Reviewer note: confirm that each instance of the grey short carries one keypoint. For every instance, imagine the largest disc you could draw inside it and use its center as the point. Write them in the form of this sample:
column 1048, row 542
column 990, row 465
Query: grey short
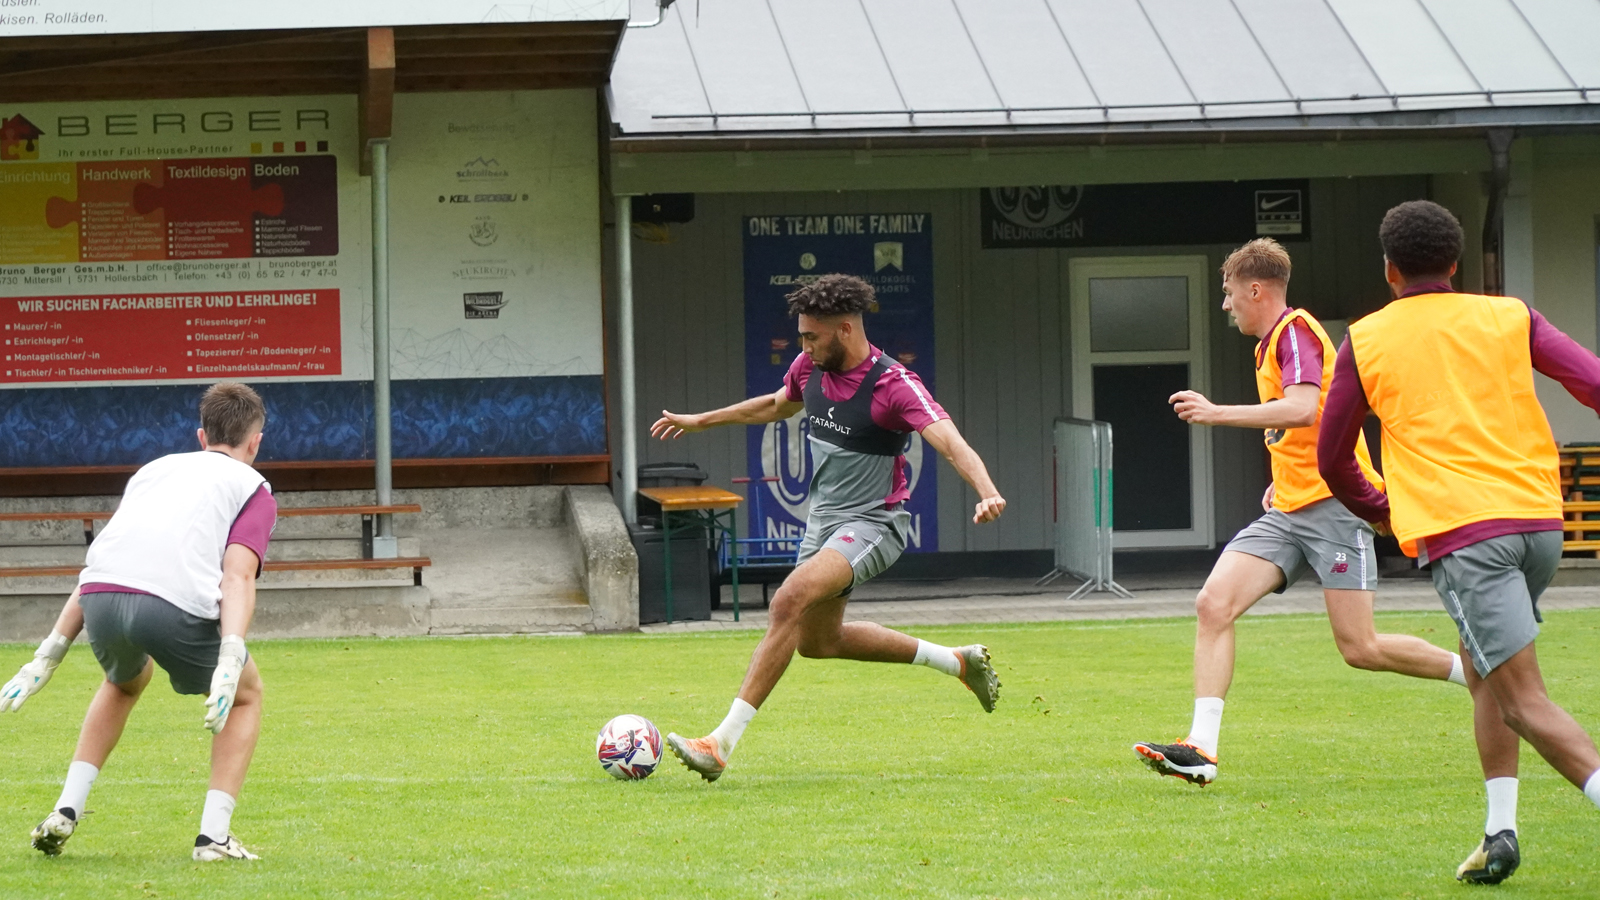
column 869, row 544
column 1491, row 589
column 1324, row 537
column 128, row 630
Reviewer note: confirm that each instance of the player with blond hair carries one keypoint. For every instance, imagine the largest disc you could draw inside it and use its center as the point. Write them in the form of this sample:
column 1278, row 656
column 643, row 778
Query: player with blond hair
column 170, row 581
column 1304, row 528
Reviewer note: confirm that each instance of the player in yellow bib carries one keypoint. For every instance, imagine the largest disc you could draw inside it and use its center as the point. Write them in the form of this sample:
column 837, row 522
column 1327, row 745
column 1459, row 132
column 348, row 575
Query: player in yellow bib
column 1304, row 528
column 1474, row 489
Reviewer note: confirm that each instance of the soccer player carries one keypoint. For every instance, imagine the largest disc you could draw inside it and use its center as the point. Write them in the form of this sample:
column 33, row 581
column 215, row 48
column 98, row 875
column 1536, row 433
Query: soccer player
column 1304, row 528
column 861, row 407
column 1474, row 488
column 170, row 581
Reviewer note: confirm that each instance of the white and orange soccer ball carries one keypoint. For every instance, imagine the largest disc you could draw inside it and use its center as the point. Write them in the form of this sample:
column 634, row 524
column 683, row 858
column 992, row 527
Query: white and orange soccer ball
column 629, row 747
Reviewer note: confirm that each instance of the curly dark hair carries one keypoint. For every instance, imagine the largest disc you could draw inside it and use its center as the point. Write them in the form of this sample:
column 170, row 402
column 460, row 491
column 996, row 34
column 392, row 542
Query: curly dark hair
column 1421, row 238
column 832, row 295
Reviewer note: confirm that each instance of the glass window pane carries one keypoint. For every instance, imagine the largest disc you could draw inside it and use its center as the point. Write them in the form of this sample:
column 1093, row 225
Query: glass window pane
column 1138, row 314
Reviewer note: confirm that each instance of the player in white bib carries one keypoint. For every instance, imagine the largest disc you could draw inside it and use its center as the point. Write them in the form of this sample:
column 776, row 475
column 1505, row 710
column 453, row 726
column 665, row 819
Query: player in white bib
column 170, row 581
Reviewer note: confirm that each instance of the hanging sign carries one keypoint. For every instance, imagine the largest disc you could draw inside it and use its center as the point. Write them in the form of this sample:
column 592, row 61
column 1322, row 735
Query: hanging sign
column 893, row 253
column 1145, row 215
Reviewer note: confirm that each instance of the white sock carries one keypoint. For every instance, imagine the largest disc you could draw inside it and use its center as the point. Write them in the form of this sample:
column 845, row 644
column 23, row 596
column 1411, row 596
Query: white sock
column 1502, row 805
column 1207, row 724
column 218, row 816
column 936, row 657
column 732, row 728
column 1591, row 788
column 1457, row 674
column 75, row 793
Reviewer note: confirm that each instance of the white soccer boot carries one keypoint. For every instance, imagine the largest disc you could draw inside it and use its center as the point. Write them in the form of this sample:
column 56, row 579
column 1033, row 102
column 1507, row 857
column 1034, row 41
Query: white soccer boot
column 50, row 834
column 207, row 850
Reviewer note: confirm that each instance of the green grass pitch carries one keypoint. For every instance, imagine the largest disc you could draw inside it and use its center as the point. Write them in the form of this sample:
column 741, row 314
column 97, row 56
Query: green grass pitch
column 457, row 768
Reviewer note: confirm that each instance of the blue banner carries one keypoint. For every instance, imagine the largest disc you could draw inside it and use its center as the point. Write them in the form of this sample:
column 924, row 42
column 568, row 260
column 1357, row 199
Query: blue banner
column 894, row 253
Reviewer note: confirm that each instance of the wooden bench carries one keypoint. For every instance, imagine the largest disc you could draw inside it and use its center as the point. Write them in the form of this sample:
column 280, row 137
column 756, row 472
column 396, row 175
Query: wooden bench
column 1580, row 469
column 87, row 518
column 415, row 563
column 365, row 512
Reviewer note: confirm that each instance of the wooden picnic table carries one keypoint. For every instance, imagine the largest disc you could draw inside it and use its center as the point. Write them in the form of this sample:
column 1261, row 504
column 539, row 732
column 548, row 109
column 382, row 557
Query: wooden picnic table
column 708, row 505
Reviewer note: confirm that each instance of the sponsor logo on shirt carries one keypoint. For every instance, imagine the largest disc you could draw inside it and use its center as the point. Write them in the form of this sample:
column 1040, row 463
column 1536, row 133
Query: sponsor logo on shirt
column 820, row 422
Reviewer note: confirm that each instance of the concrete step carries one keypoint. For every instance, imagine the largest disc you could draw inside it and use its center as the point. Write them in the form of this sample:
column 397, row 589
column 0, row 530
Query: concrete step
column 510, row 619
column 503, row 567
column 42, row 554
column 282, row 611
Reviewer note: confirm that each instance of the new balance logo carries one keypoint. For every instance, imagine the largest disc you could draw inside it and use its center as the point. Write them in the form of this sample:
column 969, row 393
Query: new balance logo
column 1340, row 568
column 847, row 539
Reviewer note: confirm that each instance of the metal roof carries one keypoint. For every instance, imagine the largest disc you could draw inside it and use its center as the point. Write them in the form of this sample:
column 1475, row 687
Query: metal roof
column 759, row 68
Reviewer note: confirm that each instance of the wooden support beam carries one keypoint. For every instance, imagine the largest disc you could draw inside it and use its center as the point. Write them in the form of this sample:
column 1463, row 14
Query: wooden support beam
column 377, row 93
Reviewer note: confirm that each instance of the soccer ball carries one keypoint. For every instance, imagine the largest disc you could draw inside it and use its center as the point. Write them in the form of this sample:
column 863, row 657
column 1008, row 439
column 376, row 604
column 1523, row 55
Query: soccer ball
column 629, row 747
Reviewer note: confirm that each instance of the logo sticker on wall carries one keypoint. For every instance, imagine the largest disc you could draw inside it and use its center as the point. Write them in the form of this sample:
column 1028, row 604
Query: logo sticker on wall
column 483, row 231
column 1278, row 212
column 484, row 304
column 19, row 138
column 888, row 253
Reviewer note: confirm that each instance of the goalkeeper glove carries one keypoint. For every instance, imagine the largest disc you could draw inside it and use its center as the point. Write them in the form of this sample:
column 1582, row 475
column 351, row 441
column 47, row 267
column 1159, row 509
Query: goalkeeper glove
column 36, row 674
column 225, row 682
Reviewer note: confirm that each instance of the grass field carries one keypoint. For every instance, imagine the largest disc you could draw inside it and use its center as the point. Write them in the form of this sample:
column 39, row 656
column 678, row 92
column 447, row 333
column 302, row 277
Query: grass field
column 465, row 768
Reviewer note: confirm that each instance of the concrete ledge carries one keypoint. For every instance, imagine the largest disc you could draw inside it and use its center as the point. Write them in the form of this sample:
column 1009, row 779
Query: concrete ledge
column 341, row 610
column 610, row 570
column 27, row 616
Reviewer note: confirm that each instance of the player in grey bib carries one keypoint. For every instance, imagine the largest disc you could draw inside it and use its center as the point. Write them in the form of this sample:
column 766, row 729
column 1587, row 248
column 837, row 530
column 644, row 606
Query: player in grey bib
column 854, row 463
column 861, row 407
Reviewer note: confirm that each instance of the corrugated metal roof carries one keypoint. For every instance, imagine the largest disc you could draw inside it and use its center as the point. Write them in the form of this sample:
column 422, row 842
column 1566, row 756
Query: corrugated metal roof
column 830, row 66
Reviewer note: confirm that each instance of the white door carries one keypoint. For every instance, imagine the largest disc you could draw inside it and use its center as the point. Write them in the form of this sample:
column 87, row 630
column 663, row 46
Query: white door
column 1139, row 335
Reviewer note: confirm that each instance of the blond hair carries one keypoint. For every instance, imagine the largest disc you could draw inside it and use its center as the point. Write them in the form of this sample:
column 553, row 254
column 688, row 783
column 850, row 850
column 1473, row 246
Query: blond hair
column 1263, row 259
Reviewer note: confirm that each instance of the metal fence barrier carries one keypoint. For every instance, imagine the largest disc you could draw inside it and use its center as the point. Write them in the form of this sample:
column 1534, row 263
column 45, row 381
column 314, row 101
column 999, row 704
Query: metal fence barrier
column 1083, row 506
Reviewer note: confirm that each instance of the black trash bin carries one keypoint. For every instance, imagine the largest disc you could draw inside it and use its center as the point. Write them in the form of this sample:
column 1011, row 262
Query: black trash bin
column 670, row 474
column 691, row 573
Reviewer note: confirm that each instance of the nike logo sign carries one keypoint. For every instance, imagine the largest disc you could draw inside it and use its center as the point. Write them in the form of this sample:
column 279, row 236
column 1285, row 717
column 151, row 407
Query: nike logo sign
column 1273, row 204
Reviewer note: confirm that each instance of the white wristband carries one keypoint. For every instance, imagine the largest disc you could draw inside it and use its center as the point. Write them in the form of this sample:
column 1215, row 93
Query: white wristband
column 54, row 647
column 232, row 645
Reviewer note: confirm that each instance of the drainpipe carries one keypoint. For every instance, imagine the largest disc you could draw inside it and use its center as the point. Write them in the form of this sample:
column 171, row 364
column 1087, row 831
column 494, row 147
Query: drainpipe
column 1494, row 220
column 384, row 544
column 630, row 384
column 661, row 12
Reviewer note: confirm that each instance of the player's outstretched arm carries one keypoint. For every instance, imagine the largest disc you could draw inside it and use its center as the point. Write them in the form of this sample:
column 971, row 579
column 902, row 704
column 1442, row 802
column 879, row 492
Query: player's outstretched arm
column 239, row 567
column 947, row 439
column 36, row 674
column 1297, row 409
column 760, row 410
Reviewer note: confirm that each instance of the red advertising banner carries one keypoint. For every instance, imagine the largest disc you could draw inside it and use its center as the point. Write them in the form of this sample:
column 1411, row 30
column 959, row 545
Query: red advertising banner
column 243, row 334
column 225, row 208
